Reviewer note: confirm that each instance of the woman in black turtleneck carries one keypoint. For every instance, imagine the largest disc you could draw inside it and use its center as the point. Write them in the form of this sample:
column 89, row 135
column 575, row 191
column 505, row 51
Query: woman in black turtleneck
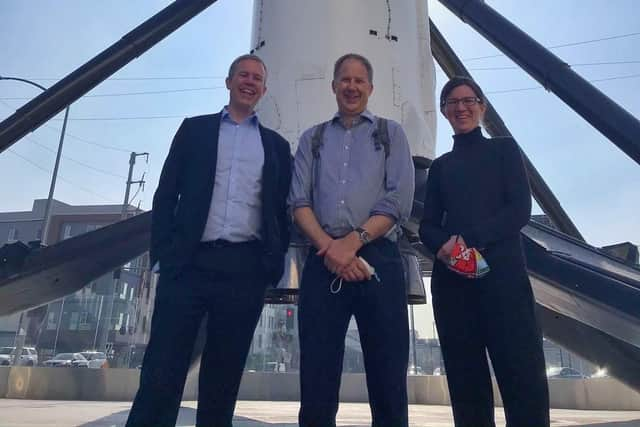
column 479, row 193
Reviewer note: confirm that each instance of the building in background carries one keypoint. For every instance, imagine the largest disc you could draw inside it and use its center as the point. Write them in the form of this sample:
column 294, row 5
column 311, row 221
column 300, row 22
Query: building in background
column 111, row 313
column 275, row 345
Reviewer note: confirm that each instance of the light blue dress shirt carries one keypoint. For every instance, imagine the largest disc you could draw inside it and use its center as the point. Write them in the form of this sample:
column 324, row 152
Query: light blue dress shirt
column 355, row 180
column 235, row 213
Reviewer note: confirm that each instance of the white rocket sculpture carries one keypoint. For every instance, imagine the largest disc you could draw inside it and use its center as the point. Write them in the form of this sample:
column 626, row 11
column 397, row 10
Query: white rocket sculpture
column 300, row 40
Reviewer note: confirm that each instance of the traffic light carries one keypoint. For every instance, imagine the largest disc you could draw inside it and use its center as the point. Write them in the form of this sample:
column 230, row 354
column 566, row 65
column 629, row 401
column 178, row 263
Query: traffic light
column 290, row 318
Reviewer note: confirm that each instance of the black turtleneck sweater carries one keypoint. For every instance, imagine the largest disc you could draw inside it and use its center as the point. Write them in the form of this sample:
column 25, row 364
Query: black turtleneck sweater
column 480, row 191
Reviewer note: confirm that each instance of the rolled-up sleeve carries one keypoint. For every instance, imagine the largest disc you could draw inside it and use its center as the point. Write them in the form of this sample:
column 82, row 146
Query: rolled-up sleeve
column 400, row 181
column 300, row 193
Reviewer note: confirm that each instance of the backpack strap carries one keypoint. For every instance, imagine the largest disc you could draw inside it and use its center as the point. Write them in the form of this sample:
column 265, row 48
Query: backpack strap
column 317, row 139
column 381, row 136
column 380, row 140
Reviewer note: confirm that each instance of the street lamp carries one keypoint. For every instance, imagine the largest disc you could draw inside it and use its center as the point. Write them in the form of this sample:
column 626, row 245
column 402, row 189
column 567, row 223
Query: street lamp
column 47, row 209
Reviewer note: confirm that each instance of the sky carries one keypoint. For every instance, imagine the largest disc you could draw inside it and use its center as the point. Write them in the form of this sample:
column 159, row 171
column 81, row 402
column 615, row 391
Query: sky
column 44, row 40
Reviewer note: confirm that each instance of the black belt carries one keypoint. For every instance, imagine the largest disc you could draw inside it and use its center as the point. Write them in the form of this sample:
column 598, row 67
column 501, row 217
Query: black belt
column 222, row 243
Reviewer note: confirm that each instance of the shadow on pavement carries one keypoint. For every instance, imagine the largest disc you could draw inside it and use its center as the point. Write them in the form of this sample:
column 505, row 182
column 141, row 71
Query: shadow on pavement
column 186, row 418
column 630, row 423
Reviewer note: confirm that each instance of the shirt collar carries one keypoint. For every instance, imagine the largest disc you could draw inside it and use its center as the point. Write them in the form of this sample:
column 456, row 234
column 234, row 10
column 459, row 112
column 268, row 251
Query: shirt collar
column 366, row 114
column 252, row 119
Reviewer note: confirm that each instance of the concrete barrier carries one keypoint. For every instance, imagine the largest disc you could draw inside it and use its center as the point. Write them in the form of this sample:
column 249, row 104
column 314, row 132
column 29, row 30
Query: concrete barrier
column 4, row 380
column 78, row 384
column 121, row 385
column 593, row 394
column 427, row 389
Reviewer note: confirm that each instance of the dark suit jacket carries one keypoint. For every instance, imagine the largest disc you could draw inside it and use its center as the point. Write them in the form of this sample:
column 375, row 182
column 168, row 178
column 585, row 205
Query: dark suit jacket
column 181, row 202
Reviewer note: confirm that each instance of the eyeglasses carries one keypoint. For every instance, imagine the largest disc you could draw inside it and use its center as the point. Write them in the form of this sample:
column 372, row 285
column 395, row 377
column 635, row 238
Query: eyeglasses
column 467, row 101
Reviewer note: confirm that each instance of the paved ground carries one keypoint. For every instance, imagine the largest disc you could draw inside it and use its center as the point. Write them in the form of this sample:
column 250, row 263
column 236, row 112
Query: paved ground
column 40, row 413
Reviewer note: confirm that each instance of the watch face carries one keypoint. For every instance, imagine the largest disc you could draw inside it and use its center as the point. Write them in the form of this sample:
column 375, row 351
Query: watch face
column 363, row 235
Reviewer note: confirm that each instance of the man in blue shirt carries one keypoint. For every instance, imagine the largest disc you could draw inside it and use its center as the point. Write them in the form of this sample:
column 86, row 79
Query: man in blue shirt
column 349, row 196
column 219, row 234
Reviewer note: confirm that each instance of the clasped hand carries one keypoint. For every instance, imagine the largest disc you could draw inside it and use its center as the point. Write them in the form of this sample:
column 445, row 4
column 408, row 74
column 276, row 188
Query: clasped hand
column 340, row 258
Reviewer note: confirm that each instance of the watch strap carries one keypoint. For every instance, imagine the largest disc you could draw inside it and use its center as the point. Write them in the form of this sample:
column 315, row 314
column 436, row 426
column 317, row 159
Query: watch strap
column 363, row 235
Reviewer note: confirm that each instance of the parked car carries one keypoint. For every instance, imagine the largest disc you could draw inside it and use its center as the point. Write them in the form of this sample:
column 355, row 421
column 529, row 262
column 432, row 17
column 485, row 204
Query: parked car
column 415, row 370
column 564, row 372
column 94, row 360
column 64, row 359
column 29, row 356
column 600, row 373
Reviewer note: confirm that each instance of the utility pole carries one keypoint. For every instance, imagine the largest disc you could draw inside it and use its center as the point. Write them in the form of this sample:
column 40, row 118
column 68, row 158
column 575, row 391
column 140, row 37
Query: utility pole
column 413, row 342
column 55, row 342
column 132, row 162
column 44, row 236
column 107, row 325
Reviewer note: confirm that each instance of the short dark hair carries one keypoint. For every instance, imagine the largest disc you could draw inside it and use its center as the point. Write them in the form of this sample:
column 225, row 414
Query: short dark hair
column 364, row 61
column 460, row 81
column 234, row 64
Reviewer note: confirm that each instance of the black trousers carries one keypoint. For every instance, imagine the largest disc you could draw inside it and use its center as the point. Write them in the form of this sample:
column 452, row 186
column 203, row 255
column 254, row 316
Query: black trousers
column 494, row 315
column 233, row 302
column 380, row 310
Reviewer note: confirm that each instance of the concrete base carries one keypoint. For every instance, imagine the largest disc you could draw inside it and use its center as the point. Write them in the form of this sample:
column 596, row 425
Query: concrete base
column 122, row 384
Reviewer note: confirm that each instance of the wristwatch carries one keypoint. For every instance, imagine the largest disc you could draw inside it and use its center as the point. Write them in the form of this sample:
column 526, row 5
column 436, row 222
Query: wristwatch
column 363, row 235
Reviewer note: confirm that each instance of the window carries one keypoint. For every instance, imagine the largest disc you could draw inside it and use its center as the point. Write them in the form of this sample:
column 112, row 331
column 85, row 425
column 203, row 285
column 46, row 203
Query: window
column 66, row 232
column 123, row 293
column 119, row 323
column 84, row 324
column 144, row 324
column 51, row 321
column 13, row 235
column 73, row 321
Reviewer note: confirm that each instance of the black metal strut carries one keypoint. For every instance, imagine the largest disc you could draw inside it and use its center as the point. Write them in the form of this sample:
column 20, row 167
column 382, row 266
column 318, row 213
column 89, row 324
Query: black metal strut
column 40, row 109
column 555, row 75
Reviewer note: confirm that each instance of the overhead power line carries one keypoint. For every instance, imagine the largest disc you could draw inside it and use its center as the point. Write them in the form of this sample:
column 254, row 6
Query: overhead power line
column 196, row 89
column 95, row 169
column 523, row 89
column 90, row 119
column 7, row 105
column 151, row 92
column 578, row 43
column 179, row 116
column 52, row 79
column 48, row 171
column 584, row 64
column 77, row 138
column 86, row 141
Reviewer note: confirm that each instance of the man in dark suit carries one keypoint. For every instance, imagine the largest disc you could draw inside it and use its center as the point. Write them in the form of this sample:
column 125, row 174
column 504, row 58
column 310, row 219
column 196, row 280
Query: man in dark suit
column 219, row 234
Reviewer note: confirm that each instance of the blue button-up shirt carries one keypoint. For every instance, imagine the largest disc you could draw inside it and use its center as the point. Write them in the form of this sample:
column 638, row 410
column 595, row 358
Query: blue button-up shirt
column 236, row 206
column 354, row 178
